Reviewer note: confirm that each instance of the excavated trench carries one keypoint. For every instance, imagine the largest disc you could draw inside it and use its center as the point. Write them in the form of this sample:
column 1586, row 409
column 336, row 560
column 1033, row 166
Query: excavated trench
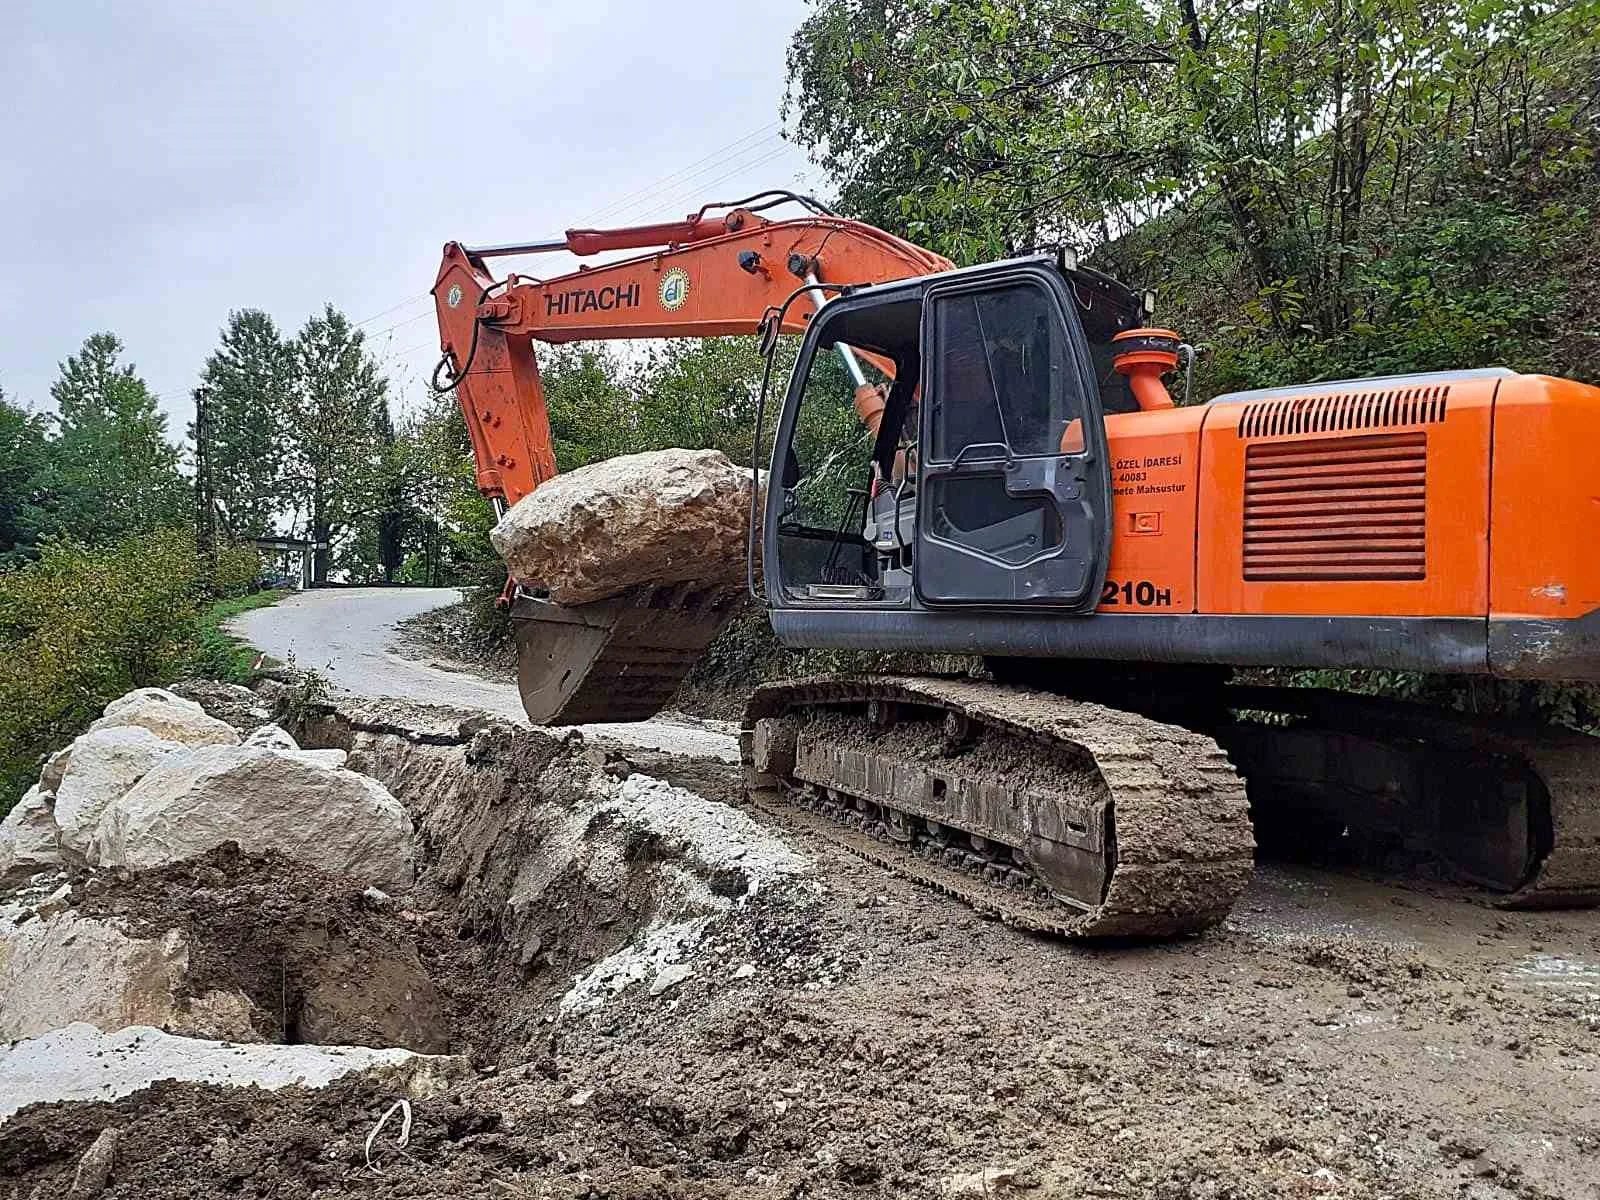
column 663, row 998
column 551, row 876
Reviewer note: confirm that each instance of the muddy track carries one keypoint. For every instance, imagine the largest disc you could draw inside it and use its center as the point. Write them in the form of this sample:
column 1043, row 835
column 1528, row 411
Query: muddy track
column 1566, row 873
column 1182, row 847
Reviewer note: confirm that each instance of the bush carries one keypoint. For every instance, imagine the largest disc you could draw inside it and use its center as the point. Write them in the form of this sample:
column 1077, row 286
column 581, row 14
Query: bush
column 236, row 571
column 82, row 626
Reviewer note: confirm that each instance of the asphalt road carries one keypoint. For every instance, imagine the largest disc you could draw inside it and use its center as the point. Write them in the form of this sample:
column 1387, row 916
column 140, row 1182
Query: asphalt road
column 349, row 635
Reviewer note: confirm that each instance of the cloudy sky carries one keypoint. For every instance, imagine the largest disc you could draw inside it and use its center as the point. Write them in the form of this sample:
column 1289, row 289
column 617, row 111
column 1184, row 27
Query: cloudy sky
column 163, row 163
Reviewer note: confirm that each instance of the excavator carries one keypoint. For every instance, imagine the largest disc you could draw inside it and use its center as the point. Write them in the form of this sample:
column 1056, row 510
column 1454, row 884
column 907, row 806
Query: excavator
column 987, row 461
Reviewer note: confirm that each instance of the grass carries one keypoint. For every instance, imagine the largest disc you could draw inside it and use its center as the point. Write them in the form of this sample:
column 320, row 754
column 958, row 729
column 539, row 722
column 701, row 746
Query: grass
column 220, row 655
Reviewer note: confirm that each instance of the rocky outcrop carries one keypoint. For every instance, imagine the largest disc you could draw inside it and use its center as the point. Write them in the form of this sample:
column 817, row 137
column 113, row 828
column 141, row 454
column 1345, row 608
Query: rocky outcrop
column 668, row 516
column 294, row 802
column 28, row 838
column 239, row 706
column 103, row 764
column 167, row 716
column 273, row 737
column 63, row 968
column 82, row 1063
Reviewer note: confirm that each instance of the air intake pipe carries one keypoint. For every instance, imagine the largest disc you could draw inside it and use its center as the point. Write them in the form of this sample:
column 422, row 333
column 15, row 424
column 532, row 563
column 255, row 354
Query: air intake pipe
column 1144, row 356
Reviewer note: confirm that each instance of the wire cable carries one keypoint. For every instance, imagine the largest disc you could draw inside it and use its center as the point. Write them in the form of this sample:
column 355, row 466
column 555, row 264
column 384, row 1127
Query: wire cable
column 665, row 181
column 676, row 204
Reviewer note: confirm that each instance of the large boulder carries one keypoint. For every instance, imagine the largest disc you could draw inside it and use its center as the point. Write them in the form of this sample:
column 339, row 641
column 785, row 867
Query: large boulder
column 82, row 1063
column 63, row 968
column 28, row 835
column 167, row 716
column 263, row 799
column 668, row 516
column 102, row 765
column 239, row 706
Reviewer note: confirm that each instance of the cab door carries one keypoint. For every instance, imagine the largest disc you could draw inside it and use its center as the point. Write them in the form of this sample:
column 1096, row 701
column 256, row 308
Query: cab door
column 1014, row 480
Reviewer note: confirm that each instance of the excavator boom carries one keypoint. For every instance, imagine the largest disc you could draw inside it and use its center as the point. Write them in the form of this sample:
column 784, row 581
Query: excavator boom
column 713, row 273
column 705, row 276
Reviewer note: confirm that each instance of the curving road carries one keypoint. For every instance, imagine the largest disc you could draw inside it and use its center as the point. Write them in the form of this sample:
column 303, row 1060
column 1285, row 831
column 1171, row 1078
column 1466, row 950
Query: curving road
column 349, row 635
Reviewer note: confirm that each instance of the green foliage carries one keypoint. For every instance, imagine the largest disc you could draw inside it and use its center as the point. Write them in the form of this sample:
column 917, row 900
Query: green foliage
column 232, row 570
column 451, row 533
column 334, row 463
column 241, row 406
column 217, row 653
column 686, row 392
column 24, row 482
column 1271, row 156
column 81, row 626
column 114, row 473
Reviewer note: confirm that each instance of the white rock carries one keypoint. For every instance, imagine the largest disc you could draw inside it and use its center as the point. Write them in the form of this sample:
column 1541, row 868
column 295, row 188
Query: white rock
column 326, row 759
column 273, row 737
column 263, row 799
column 168, row 716
column 54, row 768
column 82, row 1063
column 103, row 765
column 666, row 516
column 66, row 968
column 28, row 835
column 670, row 977
column 745, row 971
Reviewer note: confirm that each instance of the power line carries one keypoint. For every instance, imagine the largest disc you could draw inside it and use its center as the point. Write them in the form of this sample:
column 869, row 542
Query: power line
column 666, row 180
column 690, row 191
column 398, row 324
column 392, row 308
column 673, row 205
column 673, row 183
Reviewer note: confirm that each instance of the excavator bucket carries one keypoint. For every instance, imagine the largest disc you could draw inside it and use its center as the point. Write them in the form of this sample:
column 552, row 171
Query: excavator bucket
column 620, row 659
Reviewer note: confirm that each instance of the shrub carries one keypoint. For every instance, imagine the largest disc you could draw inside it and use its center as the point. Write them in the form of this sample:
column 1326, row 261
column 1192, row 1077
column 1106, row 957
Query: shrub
column 235, row 572
column 82, row 626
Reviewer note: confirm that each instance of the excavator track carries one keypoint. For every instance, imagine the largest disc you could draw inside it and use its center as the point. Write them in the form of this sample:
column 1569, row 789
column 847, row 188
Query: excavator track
column 1054, row 815
column 1515, row 809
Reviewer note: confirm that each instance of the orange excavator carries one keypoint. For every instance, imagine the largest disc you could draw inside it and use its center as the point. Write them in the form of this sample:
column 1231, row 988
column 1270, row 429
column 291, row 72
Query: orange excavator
column 1020, row 487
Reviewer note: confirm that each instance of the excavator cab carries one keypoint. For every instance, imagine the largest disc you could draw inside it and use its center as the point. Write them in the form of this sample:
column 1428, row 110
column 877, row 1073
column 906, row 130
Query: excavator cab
column 984, row 481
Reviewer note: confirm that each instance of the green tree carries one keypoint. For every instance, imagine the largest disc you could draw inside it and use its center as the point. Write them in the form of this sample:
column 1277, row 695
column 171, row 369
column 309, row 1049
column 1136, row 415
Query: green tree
column 593, row 415
column 241, row 404
column 451, row 533
column 333, row 458
column 115, row 472
column 24, row 482
column 1285, row 137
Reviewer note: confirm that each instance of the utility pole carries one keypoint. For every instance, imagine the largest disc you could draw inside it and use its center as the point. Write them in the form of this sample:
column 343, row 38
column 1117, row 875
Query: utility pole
column 205, row 509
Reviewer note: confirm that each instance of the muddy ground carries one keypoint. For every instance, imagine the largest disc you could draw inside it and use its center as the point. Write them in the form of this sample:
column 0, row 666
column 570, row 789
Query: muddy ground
column 843, row 1033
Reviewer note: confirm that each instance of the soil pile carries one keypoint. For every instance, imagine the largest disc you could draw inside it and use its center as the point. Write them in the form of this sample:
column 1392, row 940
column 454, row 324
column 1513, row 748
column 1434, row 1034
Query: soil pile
column 667, row 998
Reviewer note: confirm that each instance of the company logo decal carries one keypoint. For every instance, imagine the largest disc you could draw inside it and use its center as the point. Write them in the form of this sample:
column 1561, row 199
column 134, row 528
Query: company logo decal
column 674, row 291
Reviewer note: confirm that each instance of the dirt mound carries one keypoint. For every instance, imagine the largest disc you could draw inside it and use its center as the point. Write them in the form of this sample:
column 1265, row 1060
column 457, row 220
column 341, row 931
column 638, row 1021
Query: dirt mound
column 322, row 959
column 838, row 1033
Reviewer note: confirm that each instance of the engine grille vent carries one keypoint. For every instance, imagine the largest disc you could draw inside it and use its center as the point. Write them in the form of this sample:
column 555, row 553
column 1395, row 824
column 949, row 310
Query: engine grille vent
column 1339, row 412
column 1337, row 508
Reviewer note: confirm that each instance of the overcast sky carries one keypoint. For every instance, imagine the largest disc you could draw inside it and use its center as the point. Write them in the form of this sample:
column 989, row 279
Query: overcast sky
column 163, row 163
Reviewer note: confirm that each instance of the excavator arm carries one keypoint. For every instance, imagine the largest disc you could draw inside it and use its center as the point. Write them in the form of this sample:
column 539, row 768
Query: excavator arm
column 711, row 274
column 719, row 271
